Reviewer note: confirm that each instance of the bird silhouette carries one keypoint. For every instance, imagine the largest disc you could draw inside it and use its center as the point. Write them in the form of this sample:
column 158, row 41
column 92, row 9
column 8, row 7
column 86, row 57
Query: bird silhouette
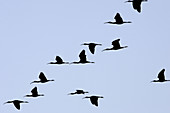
column 78, row 92
column 82, row 57
column 91, row 46
column 42, row 78
column 16, row 103
column 161, row 77
column 136, row 4
column 58, row 61
column 118, row 20
column 116, row 45
column 94, row 99
column 34, row 93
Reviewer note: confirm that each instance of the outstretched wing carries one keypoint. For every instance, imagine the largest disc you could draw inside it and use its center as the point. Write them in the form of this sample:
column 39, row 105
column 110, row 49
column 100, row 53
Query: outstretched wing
column 58, row 59
column 94, row 101
column 42, row 77
column 116, row 43
column 161, row 75
column 137, row 5
column 34, row 91
column 118, row 18
column 82, row 56
column 92, row 47
column 17, row 105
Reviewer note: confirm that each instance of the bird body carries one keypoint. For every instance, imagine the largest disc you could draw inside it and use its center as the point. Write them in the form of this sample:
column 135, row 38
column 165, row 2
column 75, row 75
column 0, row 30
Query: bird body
column 34, row 93
column 42, row 78
column 58, row 61
column 78, row 92
column 94, row 99
column 16, row 103
column 161, row 77
column 116, row 45
column 91, row 46
column 118, row 20
column 83, row 59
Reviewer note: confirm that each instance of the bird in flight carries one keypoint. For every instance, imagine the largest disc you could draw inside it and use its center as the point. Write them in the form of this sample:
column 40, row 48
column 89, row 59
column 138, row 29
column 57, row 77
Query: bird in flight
column 94, row 99
column 34, row 93
column 116, row 45
column 161, row 77
column 91, row 46
column 137, row 4
column 83, row 58
column 118, row 20
column 58, row 61
column 16, row 103
column 78, row 92
column 42, row 78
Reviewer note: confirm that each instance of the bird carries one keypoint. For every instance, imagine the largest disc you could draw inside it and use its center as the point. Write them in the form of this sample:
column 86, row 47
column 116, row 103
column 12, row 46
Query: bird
column 118, row 20
column 94, row 99
column 34, row 93
column 16, row 103
column 136, row 4
column 91, row 46
column 42, row 78
column 58, row 61
column 78, row 92
column 83, row 58
column 116, row 45
column 161, row 77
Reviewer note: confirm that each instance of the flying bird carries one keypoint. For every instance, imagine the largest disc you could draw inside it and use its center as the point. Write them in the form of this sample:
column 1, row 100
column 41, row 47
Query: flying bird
column 78, row 92
column 58, row 61
column 42, row 78
column 118, row 20
column 34, row 93
column 94, row 99
column 83, row 58
column 161, row 77
column 16, row 103
column 91, row 46
column 136, row 4
column 116, row 45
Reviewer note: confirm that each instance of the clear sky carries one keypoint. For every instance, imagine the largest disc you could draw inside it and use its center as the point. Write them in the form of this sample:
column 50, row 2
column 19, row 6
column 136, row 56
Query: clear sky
column 33, row 32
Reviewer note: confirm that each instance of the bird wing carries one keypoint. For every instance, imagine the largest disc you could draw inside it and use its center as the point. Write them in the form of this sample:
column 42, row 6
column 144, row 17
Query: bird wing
column 58, row 59
column 42, row 77
column 34, row 91
column 161, row 75
column 79, row 91
column 92, row 48
column 116, row 43
column 137, row 5
column 94, row 100
column 17, row 105
column 118, row 18
column 82, row 56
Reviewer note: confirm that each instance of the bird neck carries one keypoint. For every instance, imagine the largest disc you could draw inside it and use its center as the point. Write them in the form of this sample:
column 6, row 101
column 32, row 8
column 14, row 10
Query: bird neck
column 35, row 82
column 50, row 80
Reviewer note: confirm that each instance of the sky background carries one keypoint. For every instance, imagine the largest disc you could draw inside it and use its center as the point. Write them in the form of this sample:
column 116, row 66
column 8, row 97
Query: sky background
column 33, row 32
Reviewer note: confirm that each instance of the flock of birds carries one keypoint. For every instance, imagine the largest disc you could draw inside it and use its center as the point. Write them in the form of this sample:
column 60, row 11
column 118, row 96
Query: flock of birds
column 58, row 60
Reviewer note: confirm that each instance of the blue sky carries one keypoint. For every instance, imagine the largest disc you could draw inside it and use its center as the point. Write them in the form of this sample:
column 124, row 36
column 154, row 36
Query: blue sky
column 33, row 32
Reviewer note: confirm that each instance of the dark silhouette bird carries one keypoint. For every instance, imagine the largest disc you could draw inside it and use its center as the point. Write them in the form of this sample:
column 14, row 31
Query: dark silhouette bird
column 94, row 99
column 136, row 4
column 161, row 77
column 116, row 45
column 58, row 61
column 78, row 92
column 16, row 103
column 118, row 20
column 82, row 57
column 34, row 93
column 42, row 78
column 91, row 46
